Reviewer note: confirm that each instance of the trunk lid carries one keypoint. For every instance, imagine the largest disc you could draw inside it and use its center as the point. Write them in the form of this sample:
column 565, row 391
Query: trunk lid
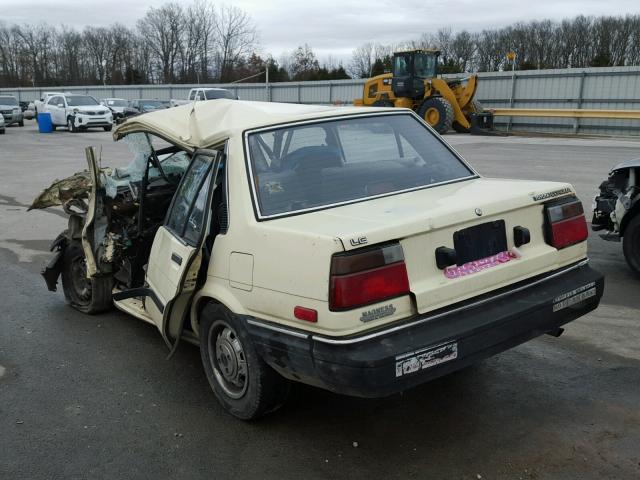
column 424, row 220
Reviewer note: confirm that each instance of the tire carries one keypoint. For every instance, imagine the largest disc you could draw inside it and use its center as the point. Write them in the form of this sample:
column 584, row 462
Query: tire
column 383, row 103
column 438, row 113
column 71, row 125
column 243, row 383
column 21, row 123
column 2, row 131
column 108, row 129
column 631, row 244
column 84, row 294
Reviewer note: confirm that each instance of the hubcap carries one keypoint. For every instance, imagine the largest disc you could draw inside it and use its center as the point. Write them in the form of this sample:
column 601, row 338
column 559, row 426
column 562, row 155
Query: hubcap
column 432, row 116
column 227, row 359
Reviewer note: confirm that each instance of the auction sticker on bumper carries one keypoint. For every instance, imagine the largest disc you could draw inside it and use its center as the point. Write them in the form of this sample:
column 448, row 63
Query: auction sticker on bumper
column 425, row 358
column 574, row 296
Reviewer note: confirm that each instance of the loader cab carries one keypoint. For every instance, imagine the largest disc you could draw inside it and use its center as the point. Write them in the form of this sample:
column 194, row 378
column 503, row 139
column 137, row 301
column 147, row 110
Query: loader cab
column 411, row 69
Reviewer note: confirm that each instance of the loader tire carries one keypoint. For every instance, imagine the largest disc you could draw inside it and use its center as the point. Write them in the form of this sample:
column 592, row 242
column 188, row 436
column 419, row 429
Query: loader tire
column 438, row 113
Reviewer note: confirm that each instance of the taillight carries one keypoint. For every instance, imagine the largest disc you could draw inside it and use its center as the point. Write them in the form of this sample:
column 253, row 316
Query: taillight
column 565, row 223
column 367, row 276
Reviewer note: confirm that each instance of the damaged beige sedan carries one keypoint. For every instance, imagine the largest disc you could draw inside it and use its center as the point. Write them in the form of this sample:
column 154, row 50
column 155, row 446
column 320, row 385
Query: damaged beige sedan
column 347, row 248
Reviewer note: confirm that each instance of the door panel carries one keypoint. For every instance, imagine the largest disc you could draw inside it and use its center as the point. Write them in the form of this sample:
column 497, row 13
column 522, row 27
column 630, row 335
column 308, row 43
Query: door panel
column 175, row 254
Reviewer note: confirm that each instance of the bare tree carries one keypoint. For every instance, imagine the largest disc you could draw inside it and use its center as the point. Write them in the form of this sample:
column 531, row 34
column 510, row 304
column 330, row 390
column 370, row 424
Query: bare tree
column 235, row 37
column 162, row 28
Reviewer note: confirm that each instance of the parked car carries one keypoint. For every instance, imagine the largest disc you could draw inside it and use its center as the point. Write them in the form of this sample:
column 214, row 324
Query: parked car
column 10, row 110
column 202, row 94
column 78, row 112
column 2, row 125
column 116, row 105
column 137, row 107
column 38, row 105
column 350, row 249
column 616, row 210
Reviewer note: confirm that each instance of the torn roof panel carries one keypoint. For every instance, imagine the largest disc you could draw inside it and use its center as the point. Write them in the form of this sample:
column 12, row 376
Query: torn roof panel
column 203, row 124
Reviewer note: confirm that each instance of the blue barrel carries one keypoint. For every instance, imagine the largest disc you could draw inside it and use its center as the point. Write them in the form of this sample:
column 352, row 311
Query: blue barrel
column 45, row 125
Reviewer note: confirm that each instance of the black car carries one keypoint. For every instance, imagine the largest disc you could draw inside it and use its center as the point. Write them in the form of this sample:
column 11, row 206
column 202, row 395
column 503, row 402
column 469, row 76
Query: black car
column 138, row 107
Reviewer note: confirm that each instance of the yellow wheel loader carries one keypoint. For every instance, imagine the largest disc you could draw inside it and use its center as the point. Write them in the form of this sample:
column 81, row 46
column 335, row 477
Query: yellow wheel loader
column 413, row 83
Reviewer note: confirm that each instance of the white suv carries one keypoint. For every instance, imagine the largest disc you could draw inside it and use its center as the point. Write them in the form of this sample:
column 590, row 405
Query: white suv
column 78, row 112
column 347, row 248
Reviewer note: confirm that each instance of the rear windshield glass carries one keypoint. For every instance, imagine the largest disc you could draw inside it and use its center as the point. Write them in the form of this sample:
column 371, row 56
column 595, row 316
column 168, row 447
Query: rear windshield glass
column 213, row 94
column 151, row 104
column 8, row 101
column 80, row 100
column 320, row 164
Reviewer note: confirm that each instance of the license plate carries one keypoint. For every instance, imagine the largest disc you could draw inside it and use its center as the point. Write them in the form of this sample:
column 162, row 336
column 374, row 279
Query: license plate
column 480, row 241
column 574, row 296
column 412, row 362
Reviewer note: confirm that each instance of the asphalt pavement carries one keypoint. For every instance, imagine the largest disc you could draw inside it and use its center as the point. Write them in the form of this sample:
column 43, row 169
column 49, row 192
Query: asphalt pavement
column 93, row 397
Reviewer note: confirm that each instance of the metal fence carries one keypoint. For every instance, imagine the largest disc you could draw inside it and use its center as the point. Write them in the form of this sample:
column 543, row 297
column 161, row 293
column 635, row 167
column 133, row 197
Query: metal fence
column 597, row 88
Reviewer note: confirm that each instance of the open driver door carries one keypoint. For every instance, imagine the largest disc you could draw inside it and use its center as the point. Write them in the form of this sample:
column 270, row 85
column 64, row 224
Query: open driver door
column 176, row 253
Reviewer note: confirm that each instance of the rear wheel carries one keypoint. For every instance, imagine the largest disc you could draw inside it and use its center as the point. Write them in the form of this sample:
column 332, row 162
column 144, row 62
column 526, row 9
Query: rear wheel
column 89, row 295
column 243, row 383
column 438, row 113
column 631, row 244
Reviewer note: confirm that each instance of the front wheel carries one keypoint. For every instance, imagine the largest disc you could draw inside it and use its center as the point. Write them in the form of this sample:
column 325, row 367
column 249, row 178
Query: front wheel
column 89, row 295
column 108, row 128
column 21, row 123
column 438, row 113
column 243, row 383
column 71, row 125
column 631, row 244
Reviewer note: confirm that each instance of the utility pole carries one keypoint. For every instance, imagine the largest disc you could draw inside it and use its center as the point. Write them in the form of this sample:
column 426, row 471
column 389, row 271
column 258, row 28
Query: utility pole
column 512, row 56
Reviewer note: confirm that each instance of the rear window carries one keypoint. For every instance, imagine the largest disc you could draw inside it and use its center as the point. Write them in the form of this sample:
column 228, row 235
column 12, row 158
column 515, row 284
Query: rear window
column 214, row 94
column 312, row 166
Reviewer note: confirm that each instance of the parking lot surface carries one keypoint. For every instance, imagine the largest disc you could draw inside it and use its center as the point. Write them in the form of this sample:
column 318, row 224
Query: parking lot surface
column 93, row 396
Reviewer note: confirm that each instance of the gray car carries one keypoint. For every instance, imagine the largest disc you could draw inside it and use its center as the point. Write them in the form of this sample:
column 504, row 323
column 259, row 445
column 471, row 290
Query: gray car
column 10, row 110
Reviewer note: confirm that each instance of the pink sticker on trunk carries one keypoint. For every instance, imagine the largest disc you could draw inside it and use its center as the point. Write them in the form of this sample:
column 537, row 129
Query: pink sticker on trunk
column 479, row 265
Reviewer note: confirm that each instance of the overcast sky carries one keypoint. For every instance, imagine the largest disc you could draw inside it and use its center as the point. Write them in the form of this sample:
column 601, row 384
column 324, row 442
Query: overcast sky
column 330, row 27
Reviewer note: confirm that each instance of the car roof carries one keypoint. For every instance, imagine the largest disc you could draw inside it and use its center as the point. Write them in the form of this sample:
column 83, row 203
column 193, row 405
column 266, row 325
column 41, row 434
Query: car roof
column 203, row 124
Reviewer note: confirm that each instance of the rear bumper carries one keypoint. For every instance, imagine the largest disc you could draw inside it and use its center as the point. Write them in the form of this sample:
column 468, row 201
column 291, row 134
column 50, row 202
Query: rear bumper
column 390, row 360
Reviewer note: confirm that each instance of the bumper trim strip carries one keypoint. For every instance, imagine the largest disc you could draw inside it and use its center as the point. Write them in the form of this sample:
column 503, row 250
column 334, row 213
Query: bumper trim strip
column 386, row 331
column 365, row 337
column 286, row 331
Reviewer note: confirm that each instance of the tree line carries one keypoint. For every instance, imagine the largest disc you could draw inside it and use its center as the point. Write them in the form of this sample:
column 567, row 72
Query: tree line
column 579, row 42
column 205, row 43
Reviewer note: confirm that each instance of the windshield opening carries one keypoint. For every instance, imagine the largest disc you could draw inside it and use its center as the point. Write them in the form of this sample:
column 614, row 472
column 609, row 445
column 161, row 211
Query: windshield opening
column 424, row 65
column 333, row 162
column 8, row 101
column 81, row 100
